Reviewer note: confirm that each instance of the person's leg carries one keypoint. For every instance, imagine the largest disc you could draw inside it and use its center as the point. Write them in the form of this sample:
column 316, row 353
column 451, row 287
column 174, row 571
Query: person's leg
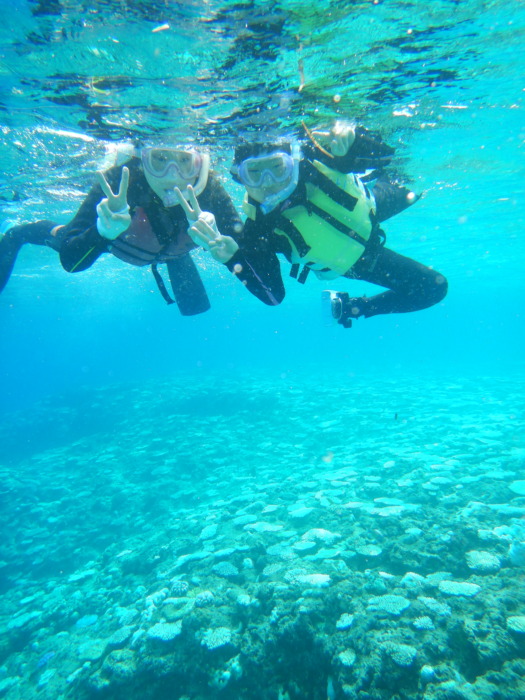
column 38, row 233
column 412, row 286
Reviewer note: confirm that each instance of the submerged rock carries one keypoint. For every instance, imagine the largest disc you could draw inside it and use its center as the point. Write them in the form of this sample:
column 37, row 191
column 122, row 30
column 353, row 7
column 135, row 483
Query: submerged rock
column 315, row 580
column 347, row 658
column 91, row 650
column 165, row 631
column 401, row 654
column 120, row 664
column 441, row 609
column 204, row 598
column 225, row 569
column 119, row 638
column 300, row 513
column 24, row 619
column 392, row 604
column 517, row 553
column 459, row 588
column 516, row 624
column 345, row 621
column 423, row 623
column 369, row 550
column 483, row 562
column 208, row 532
column 320, row 535
column 216, row 637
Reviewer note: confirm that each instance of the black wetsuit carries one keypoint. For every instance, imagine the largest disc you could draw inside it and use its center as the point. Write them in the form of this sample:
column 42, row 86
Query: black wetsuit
column 412, row 286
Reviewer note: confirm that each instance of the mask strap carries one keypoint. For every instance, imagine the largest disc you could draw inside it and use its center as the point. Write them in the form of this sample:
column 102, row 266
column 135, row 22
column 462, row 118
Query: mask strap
column 202, row 180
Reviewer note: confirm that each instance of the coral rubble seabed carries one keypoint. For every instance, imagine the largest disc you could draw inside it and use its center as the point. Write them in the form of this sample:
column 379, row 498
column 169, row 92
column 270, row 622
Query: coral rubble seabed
column 187, row 540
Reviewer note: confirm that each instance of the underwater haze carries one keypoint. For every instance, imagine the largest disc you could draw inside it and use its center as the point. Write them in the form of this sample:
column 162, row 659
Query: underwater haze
column 254, row 503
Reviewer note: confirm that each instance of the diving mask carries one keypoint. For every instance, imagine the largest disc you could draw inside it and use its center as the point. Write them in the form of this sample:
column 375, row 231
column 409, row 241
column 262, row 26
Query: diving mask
column 275, row 174
column 174, row 162
column 266, row 170
column 168, row 168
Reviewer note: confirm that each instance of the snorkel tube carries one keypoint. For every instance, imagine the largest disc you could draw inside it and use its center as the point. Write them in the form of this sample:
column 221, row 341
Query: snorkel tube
column 273, row 200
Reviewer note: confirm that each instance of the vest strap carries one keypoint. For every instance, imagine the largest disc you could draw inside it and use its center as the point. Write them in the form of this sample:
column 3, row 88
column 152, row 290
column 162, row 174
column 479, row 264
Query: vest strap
column 161, row 285
column 294, row 235
column 335, row 192
column 304, row 274
column 335, row 223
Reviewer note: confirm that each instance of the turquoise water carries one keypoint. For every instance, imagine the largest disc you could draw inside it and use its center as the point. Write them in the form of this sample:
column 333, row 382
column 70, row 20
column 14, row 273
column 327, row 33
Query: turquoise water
column 168, row 483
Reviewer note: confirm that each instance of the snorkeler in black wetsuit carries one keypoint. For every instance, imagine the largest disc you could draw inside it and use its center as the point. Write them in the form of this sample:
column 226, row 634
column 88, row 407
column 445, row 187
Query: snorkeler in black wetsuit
column 142, row 223
column 307, row 204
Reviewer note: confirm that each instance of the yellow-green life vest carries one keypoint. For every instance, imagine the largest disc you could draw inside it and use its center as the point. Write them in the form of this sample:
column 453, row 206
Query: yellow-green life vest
column 328, row 236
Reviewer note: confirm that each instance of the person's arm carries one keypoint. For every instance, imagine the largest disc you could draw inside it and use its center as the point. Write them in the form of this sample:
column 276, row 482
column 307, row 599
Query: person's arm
column 221, row 205
column 257, row 266
column 245, row 253
column 350, row 149
column 82, row 243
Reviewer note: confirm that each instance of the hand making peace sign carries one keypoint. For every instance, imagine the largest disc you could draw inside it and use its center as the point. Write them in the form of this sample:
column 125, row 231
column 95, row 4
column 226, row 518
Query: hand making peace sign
column 113, row 210
column 203, row 229
column 339, row 139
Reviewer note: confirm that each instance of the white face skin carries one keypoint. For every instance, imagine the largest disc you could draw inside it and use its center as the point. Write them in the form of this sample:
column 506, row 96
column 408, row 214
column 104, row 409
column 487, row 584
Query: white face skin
column 164, row 187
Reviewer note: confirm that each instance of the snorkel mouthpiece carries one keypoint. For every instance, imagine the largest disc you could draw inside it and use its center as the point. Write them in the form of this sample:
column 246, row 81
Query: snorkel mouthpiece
column 170, row 199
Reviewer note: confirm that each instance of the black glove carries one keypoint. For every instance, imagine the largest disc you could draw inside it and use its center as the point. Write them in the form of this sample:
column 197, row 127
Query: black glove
column 369, row 152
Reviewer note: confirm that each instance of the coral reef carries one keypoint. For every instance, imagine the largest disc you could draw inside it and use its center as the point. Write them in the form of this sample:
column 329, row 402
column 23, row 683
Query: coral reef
column 170, row 563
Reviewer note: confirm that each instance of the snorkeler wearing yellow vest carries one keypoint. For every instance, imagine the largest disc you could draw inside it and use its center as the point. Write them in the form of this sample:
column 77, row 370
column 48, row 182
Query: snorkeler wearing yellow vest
column 309, row 204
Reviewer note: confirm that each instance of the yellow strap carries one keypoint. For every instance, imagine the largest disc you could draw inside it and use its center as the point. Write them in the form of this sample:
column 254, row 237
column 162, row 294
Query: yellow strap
column 82, row 259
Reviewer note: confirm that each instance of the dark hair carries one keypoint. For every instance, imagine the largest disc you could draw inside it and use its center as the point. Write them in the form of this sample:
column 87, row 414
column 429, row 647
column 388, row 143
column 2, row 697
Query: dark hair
column 251, row 149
